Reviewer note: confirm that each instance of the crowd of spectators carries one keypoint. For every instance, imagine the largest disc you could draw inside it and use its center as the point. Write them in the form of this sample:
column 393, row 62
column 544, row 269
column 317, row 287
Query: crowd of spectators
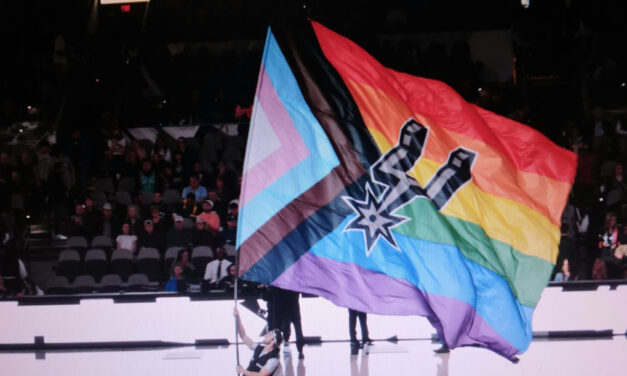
column 95, row 180
column 594, row 222
column 169, row 199
column 161, row 197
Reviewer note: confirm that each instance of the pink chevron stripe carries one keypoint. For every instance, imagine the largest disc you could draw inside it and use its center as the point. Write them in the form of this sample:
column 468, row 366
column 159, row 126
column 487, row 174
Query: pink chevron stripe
column 292, row 149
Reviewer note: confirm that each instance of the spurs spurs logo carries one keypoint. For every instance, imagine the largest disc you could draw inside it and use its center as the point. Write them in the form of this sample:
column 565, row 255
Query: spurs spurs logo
column 376, row 216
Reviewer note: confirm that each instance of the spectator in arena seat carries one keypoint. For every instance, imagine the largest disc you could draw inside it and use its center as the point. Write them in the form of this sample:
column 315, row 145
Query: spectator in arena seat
column 202, row 236
column 617, row 183
column 225, row 173
column 142, row 206
column 140, row 152
column 599, row 129
column 228, row 281
column 130, row 167
column 203, row 177
column 151, row 238
column 188, row 156
column 183, row 259
column 170, row 181
column 159, row 220
column 178, row 167
column 217, row 268
column 233, row 207
column 219, row 205
column 572, row 138
column 598, row 270
column 177, row 282
column 190, row 208
column 224, row 191
column 157, row 202
column 210, row 217
column 608, row 243
column 564, row 274
column 126, row 240
column 228, row 234
column 158, row 164
column 587, row 172
column 134, row 218
column 92, row 219
column 149, row 180
column 195, row 187
column 178, row 236
column 162, row 149
column 238, row 185
column 116, row 144
column 110, row 225
column 77, row 224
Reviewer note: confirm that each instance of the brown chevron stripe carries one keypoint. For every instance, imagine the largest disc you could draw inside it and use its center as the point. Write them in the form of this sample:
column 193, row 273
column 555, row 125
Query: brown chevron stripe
column 333, row 113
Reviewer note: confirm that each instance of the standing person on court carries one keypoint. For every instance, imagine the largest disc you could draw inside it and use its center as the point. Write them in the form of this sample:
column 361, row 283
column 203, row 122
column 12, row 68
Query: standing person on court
column 352, row 324
column 288, row 314
column 265, row 360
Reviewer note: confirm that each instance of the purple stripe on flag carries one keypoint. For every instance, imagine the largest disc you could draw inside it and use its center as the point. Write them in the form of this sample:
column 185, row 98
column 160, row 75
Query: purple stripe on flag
column 291, row 152
column 349, row 285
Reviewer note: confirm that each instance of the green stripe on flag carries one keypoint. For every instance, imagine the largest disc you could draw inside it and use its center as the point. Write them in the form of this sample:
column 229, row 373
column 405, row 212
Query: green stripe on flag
column 526, row 275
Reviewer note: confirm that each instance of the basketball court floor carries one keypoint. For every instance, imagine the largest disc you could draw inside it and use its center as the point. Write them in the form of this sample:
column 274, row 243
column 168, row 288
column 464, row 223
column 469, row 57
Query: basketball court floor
column 545, row 357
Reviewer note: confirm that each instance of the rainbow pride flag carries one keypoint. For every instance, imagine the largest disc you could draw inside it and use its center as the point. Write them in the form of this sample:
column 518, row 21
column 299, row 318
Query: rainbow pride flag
column 388, row 193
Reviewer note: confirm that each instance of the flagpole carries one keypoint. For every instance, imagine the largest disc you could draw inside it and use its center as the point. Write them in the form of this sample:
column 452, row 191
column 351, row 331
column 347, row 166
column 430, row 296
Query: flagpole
column 235, row 303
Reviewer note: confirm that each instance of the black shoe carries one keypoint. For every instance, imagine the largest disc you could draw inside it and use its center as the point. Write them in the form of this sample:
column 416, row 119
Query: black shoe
column 442, row 350
column 356, row 344
column 301, row 355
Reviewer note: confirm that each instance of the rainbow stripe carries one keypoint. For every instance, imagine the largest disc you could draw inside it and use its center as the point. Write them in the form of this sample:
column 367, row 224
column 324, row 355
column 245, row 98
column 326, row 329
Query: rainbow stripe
column 326, row 114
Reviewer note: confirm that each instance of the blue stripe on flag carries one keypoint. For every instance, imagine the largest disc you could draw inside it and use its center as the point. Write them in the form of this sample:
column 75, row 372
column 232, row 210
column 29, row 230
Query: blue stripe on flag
column 321, row 160
column 429, row 267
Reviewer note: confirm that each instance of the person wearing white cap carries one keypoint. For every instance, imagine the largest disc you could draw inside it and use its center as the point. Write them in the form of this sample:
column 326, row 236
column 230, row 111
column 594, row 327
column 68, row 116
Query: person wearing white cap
column 179, row 236
column 209, row 216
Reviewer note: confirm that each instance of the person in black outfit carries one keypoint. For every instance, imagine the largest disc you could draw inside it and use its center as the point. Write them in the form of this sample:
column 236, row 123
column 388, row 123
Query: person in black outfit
column 265, row 360
column 151, row 238
column 283, row 311
column 202, row 236
column 92, row 219
column 292, row 316
column 228, row 281
column 178, row 236
column 352, row 324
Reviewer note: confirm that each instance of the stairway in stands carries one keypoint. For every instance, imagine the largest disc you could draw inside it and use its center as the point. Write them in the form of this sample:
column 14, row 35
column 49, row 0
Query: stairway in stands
column 41, row 251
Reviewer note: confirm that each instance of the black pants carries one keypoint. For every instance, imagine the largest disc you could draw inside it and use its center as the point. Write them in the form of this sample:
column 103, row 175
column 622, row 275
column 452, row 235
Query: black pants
column 292, row 316
column 283, row 311
column 352, row 324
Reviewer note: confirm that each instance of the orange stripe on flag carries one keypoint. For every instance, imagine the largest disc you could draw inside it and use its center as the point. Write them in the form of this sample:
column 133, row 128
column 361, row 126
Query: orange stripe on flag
column 492, row 173
column 525, row 148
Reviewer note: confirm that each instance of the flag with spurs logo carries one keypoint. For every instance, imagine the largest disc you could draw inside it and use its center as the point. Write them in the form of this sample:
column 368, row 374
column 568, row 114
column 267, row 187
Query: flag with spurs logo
column 388, row 193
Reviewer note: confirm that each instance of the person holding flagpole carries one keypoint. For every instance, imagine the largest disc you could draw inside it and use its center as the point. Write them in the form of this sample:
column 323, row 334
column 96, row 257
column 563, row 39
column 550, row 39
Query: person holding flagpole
column 265, row 360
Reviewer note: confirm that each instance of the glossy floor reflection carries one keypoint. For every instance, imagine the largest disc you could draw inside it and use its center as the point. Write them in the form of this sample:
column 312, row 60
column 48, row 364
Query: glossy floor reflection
column 573, row 357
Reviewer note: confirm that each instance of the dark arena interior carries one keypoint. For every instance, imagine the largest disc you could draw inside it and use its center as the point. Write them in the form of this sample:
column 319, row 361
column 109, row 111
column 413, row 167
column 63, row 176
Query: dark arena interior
column 113, row 113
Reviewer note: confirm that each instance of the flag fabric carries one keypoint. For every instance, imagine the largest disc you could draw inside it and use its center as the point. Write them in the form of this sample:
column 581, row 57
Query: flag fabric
column 388, row 193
